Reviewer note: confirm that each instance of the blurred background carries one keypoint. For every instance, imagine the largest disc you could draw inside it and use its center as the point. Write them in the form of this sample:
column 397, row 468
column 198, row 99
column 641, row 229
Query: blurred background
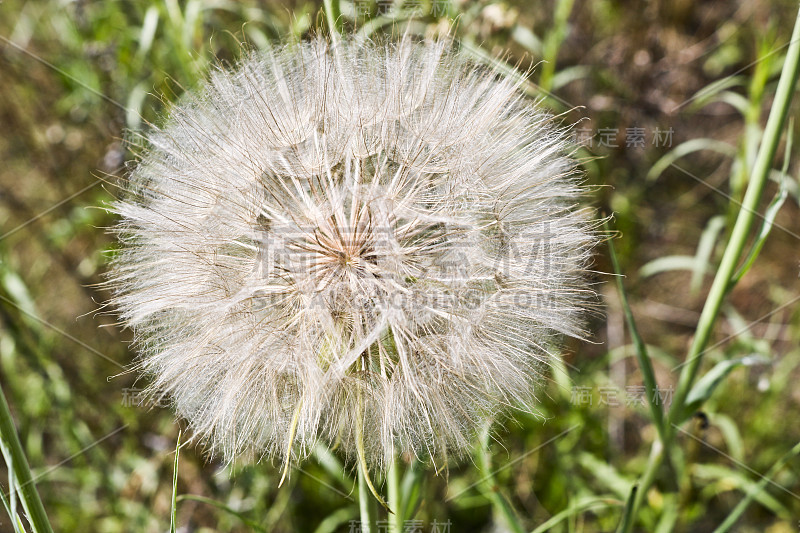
column 667, row 100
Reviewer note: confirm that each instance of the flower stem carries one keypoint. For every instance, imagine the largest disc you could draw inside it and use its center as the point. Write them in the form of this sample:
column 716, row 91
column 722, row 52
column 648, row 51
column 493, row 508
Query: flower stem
column 18, row 464
column 502, row 508
column 332, row 15
column 395, row 497
column 366, row 502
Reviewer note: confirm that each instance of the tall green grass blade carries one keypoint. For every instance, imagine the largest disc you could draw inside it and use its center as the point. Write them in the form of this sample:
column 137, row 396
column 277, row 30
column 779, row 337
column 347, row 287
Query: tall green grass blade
column 333, row 16
column 333, row 466
column 744, row 222
column 628, row 514
column 686, row 148
column 730, row 433
column 173, row 514
column 367, row 503
column 705, row 249
column 395, row 496
column 769, row 216
column 645, row 365
column 148, row 30
column 18, row 463
column 567, row 75
column 735, row 100
column 338, row 518
column 669, row 515
column 733, row 250
column 668, row 263
column 553, row 41
column 605, row 474
column 706, row 95
column 524, row 37
column 10, row 508
column 717, row 478
column 490, row 489
column 411, row 489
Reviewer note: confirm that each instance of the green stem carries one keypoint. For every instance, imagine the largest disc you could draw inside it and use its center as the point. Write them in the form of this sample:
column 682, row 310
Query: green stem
column 553, row 42
column 491, row 490
column 18, row 464
column 646, row 367
column 733, row 251
column 744, row 222
column 333, row 15
column 647, row 479
column 366, row 502
column 395, row 503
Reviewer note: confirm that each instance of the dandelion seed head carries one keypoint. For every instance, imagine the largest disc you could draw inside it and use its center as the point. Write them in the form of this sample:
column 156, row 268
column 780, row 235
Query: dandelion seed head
column 373, row 245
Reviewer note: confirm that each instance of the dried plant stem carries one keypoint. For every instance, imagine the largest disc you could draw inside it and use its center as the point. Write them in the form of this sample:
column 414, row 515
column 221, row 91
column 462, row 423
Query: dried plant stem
column 723, row 281
column 18, row 465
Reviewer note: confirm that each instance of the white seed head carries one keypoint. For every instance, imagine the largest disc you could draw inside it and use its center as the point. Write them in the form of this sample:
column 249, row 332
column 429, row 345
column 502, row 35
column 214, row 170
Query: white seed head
column 372, row 245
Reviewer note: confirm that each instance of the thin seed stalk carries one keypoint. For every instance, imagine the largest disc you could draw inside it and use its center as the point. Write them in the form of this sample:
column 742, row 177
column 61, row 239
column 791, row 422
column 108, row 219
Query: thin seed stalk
column 15, row 456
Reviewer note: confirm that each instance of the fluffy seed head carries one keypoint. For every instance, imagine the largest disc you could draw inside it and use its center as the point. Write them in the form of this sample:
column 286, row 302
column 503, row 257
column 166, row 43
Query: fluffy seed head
column 370, row 244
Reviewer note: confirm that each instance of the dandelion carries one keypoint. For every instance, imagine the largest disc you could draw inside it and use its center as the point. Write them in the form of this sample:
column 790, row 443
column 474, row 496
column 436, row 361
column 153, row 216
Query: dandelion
column 371, row 245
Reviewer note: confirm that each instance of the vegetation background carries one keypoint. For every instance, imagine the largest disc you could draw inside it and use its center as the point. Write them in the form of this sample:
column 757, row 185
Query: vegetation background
column 668, row 99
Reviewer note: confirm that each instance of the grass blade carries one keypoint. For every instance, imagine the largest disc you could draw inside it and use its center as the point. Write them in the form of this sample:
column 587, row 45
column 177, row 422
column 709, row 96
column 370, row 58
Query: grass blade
column 740, row 508
column 174, row 508
column 577, row 508
column 627, row 517
column 686, row 148
column 706, row 385
column 219, row 505
column 13, row 451
column 766, row 227
column 333, row 521
column 490, row 488
column 744, row 220
column 645, row 365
